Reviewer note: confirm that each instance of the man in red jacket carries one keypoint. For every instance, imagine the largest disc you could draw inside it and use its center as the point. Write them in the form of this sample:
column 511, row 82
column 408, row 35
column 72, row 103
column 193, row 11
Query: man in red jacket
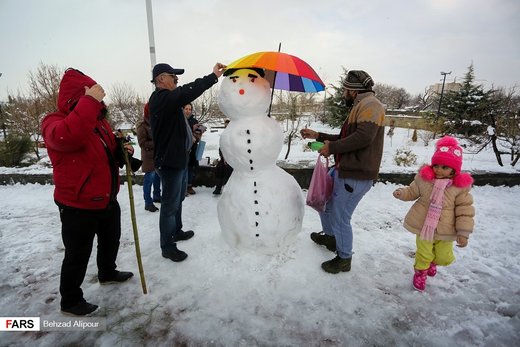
column 84, row 154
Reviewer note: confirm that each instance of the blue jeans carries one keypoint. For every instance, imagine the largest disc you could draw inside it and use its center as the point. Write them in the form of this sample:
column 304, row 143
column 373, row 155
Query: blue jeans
column 335, row 220
column 173, row 192
column 151, row 179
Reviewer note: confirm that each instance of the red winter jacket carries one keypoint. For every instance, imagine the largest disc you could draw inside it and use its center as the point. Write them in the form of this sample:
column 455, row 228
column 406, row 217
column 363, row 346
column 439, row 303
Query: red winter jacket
column 81, row 147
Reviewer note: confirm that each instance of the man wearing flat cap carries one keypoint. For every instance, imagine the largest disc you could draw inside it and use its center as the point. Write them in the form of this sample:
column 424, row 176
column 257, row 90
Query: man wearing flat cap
column 357, row 150
column 172, row 142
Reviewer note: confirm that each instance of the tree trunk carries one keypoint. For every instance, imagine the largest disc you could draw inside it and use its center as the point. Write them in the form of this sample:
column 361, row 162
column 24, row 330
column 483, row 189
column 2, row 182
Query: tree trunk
column 495, row 149
column 289, row 140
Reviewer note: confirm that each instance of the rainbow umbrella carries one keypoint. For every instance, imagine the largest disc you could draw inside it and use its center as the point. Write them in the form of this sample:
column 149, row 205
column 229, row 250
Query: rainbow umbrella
column 283, row 71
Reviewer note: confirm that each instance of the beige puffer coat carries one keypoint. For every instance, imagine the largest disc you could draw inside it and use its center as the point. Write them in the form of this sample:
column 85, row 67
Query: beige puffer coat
column 457, row 205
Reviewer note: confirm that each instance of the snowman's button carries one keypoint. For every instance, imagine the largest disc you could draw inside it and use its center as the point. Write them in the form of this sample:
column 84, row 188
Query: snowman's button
column 248, row 151
column 251, row 168
column 257, row 213
column 257, row 235
column 254, row 183
column 247, row 131
column 248, row 141
column 256, row 191
column 256, row 202
column 250, row 161
column 256, row 223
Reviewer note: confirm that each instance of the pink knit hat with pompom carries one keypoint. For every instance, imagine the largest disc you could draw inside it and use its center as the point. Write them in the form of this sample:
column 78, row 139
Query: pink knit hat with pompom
column 448, row 153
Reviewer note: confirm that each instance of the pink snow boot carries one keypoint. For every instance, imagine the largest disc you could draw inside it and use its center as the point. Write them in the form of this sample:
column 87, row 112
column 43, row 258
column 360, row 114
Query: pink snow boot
column 432, row 270
column 419, row 279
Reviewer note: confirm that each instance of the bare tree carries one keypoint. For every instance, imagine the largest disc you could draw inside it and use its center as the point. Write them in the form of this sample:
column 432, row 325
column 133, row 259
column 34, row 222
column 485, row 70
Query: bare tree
column 126, row 106
column 25, row 112
column 24, row 116
column 206, row 106
column 393, row 97
column 44, row 85
column 293, row 121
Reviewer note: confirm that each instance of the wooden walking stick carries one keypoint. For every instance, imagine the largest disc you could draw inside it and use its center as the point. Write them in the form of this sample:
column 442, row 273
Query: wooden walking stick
column 134, row 222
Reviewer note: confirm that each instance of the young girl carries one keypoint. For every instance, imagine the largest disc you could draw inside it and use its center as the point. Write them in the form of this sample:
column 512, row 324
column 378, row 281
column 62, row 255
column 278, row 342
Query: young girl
column 443, row 212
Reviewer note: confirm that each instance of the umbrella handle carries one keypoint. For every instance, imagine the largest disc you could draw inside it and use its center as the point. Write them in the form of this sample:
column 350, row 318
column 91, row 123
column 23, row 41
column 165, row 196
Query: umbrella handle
column 274, row 81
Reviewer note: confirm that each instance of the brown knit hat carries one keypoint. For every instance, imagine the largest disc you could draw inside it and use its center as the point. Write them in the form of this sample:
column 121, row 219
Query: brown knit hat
column 358, row 80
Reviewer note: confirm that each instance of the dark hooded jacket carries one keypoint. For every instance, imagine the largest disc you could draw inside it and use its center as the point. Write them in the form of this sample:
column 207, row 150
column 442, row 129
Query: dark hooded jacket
column 169, row 128
column 81, row 146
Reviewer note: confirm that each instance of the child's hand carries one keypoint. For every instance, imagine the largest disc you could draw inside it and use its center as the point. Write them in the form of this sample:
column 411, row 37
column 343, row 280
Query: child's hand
column 397, row 193
column 462, row 241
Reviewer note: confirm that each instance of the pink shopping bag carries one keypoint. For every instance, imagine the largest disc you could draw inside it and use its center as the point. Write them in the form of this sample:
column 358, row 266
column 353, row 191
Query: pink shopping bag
column 320, row 189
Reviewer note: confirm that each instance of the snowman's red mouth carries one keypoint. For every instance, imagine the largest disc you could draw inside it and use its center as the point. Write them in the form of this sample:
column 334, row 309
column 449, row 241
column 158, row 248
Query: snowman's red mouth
column 241, row 92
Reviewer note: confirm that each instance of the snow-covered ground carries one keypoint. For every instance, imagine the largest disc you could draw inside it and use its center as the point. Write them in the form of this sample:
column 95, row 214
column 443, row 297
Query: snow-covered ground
column 222, row 297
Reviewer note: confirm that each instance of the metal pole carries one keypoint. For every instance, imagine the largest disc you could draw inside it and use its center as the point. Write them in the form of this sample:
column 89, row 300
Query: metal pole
column 151, row 38
column 442, row 92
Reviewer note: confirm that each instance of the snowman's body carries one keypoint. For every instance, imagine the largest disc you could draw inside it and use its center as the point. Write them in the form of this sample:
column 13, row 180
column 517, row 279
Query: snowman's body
column 262, row 206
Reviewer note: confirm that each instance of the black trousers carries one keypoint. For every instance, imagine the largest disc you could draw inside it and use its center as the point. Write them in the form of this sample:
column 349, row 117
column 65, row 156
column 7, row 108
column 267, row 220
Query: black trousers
column 78, row 228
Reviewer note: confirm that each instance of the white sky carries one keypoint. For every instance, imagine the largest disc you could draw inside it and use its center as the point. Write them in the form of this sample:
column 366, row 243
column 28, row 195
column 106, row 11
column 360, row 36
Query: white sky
column 403, row 43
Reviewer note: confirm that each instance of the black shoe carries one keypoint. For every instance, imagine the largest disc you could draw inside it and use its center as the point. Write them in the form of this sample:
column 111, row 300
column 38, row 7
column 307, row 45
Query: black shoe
column 176, row 255
column 116, row 277
column 81, row 309
column 217, row 191
column 151, row 208
column 336, row 265
column 158, row 200
column 183, row 235
column 323, row 239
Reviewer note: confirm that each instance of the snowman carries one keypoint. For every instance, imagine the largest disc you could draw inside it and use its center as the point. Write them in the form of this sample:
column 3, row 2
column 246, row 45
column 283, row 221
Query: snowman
column 262, row 206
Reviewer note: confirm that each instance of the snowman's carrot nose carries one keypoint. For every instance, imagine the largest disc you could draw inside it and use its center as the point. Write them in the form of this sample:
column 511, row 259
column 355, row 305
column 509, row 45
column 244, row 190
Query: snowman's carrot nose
column 241, row 92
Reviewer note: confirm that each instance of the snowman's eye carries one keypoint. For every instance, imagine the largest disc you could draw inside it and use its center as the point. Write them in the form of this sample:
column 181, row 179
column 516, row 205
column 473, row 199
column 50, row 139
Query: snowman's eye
column 252, row 77
column 233, row 78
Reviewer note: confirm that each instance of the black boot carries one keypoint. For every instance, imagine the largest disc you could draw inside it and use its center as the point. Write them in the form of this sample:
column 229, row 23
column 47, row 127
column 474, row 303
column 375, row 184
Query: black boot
column 323, row 239
column 183, row 235
column 80, row 309
column 218, row 190
column 116, row 277
column 336, row 265
column 175, row 255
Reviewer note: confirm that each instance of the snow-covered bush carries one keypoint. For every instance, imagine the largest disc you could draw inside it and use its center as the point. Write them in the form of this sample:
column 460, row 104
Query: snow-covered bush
column 404, row 157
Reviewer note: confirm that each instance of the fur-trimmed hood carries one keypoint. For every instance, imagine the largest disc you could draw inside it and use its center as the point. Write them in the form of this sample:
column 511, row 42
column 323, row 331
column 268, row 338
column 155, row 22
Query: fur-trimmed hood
column 462, row 180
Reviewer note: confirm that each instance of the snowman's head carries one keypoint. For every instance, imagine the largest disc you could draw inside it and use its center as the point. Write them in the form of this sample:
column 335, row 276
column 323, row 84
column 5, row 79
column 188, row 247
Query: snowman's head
column 244, row 93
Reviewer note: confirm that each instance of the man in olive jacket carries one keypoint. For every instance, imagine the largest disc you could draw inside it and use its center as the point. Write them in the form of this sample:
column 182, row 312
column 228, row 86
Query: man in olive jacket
column 358, row 151
column 172, row 138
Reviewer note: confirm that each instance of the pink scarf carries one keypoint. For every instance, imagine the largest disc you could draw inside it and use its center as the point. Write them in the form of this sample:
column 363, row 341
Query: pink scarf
column 434, row 211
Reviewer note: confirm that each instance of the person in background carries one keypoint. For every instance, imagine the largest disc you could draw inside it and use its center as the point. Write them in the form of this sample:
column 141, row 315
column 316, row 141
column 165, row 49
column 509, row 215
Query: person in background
column 172, row 138
column 151, row 178
column 443, row 210
column 357, row 150
column 223, row 170
column 197, row 131
column 85, row 156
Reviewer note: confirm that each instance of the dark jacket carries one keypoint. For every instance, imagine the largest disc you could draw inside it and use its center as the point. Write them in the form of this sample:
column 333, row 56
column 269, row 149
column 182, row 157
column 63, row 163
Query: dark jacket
column 169, row 130
column 81, row 146
column 192, row 161
column 358, row 149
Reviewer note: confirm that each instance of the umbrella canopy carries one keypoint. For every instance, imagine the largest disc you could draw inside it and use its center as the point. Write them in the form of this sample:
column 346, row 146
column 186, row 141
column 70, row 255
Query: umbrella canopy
column 283, row 71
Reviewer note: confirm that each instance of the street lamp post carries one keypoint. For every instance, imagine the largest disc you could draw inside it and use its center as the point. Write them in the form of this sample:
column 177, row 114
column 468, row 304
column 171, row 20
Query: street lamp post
column 442, row 91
